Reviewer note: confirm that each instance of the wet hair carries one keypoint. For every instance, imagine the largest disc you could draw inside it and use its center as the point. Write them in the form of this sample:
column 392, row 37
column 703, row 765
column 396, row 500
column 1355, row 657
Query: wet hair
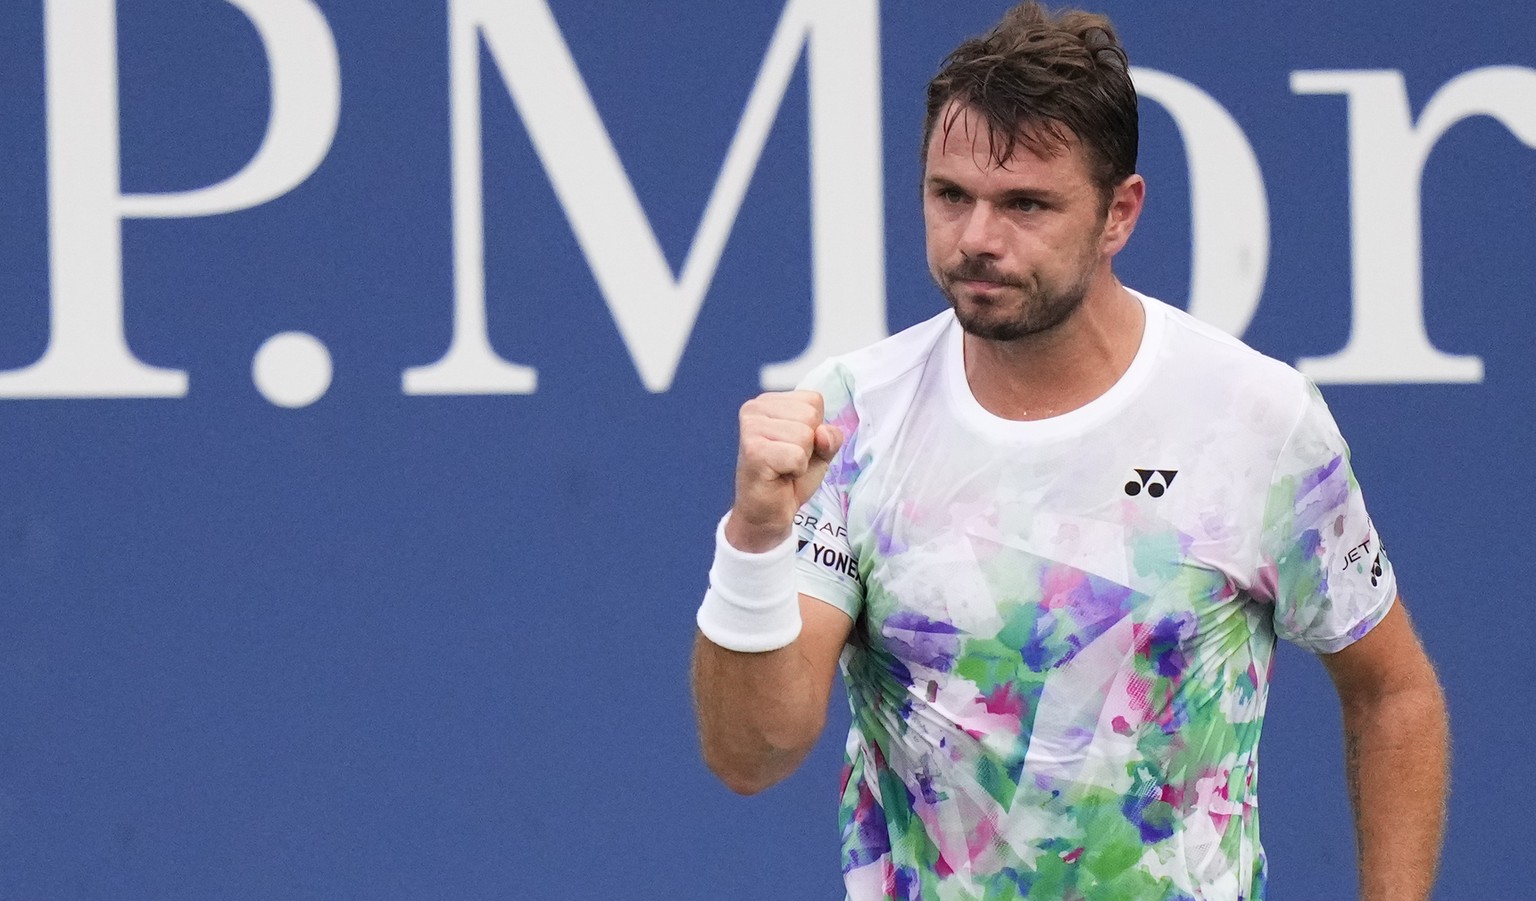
column 1043, row 80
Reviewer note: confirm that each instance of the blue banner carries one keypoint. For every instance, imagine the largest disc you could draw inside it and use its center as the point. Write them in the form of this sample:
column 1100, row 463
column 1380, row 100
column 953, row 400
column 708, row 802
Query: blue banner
column 368, row 377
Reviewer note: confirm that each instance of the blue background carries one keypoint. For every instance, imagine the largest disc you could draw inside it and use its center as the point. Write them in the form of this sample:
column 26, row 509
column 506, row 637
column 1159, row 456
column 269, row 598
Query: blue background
column 393, row 646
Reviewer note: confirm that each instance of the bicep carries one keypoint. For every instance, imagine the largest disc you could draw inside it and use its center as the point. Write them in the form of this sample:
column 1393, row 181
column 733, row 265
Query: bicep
column 823, row 632
column 1387, row 659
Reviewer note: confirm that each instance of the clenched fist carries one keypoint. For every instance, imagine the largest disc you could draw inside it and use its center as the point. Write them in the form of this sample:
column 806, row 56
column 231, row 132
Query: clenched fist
column 785, row 449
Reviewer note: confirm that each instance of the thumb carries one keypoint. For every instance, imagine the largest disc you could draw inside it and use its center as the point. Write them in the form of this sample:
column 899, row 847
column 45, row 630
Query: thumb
column 829, row 440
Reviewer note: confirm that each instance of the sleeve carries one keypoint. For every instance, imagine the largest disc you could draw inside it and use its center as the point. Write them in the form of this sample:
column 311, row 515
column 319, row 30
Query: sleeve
column 826, row 566
column 1321, row 562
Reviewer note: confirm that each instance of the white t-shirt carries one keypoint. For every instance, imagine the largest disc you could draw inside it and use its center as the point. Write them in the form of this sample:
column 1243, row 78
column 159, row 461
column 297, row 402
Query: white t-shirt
column 1064, row 627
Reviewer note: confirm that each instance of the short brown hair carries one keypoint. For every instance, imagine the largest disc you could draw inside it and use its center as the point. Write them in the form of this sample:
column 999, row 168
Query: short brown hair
column 1040, row 80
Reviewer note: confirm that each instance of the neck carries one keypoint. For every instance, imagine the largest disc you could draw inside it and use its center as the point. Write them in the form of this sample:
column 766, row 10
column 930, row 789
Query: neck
column 1059, row 370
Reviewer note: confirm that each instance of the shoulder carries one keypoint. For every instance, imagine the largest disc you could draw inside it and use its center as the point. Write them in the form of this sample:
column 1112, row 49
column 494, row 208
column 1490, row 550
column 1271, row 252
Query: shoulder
column 855, row 375
column 1203, row 345
column 1225, row 376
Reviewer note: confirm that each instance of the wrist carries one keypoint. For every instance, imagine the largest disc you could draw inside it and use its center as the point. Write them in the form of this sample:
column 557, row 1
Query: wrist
column 746, row 536
column 751, row 604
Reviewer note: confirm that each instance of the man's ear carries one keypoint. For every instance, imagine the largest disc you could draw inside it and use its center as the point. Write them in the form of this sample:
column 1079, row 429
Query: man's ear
column 1124, row 209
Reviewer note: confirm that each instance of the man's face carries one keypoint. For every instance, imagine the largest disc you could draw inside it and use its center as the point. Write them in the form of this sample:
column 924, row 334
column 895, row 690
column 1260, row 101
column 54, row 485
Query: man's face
column 1016, row 246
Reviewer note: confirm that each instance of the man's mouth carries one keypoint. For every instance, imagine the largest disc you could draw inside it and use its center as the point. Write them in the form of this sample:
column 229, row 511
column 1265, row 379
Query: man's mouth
column 981, row 285
column 980, row 279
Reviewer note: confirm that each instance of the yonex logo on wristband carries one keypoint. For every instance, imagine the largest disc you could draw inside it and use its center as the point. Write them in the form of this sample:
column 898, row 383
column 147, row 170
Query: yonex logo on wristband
column 1155, row 481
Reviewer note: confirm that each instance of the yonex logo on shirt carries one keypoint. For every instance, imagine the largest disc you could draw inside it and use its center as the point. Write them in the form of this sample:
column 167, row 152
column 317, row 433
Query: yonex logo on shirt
column 835, row 560
column 1155, row 486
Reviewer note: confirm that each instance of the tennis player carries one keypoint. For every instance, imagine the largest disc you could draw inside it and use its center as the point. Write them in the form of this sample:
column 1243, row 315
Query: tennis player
column 1051, row 536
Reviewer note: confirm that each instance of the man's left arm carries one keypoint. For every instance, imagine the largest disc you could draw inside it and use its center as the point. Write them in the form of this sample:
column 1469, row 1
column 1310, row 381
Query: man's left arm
column 1396, row 757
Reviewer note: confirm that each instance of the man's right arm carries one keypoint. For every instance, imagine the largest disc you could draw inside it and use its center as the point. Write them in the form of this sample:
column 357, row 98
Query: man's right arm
column 762, row 704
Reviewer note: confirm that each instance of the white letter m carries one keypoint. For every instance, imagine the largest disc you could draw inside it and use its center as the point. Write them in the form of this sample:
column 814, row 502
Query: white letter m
column 655, row 311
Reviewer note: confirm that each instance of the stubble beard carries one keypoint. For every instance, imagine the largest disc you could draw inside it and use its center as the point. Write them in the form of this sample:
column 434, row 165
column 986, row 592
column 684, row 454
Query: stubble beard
column 1042, row 308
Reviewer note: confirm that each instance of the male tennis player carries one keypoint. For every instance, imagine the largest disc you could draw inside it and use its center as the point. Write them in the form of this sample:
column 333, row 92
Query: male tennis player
column 1052, row 534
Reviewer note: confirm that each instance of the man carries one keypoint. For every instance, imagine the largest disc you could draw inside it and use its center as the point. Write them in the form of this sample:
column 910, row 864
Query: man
column 1051, row 535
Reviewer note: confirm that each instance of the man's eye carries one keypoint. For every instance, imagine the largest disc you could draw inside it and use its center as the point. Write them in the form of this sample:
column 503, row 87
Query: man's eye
column 951, row 195
column 1026, row 205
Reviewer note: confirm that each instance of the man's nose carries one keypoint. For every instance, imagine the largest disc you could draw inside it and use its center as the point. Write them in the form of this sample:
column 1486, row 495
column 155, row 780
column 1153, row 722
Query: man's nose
column 982, row 234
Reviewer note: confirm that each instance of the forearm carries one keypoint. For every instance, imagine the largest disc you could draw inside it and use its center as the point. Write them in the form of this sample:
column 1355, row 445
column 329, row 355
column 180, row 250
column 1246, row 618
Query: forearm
column 759, row 714
column 1396, row 758
column 762, row 665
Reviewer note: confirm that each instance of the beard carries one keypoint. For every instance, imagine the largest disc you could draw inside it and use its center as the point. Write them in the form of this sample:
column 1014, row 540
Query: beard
column 1043, row 306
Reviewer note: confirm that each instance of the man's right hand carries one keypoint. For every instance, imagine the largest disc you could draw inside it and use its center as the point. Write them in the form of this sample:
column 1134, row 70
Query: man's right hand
column 784, row 453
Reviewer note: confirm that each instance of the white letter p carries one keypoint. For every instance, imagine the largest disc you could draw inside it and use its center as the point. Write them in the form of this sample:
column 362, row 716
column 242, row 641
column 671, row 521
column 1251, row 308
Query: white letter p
column 87, row 353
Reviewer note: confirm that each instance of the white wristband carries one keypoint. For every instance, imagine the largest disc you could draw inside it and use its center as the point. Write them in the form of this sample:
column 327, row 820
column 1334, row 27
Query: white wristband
column 751, row 604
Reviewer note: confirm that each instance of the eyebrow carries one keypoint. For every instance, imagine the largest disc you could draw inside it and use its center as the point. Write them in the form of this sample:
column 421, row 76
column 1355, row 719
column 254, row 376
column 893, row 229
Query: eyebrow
column 1042, row 195
column 1039, row 195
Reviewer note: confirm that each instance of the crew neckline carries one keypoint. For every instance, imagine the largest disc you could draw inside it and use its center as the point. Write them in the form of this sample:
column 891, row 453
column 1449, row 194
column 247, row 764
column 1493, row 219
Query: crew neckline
column 1066, row 425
